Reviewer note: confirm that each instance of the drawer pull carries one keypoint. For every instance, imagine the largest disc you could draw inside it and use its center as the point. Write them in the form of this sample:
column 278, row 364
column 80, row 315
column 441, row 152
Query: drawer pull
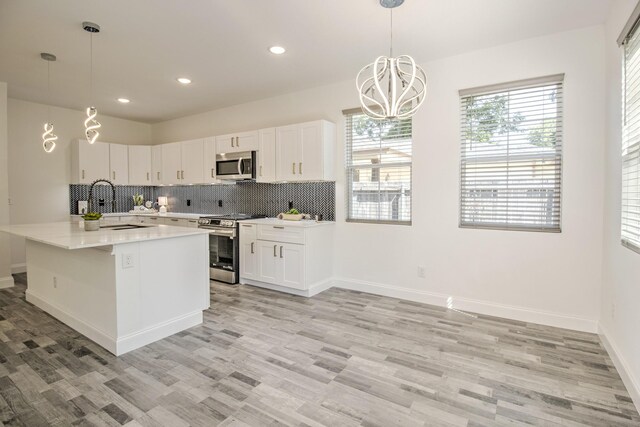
column 173, row 219
column 247, row 225
column 278, row 227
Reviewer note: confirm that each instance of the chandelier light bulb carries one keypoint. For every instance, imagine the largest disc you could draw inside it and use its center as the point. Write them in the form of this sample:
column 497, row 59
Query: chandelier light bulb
column 391, row 87
column 91, row 125
column 49, row 138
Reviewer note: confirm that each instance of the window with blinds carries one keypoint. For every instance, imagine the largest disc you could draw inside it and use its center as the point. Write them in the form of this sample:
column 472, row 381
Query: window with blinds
column 511, row 155
column 630, row 221
column 378, row 159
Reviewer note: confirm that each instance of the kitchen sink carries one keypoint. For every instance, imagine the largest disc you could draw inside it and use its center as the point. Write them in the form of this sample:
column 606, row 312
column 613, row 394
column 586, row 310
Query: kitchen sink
column 118, row 227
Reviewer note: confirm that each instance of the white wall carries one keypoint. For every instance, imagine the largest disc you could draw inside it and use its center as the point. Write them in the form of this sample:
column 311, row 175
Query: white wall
column 549, row 278
column 620, row 315
column 39, row 182
column 5, row 258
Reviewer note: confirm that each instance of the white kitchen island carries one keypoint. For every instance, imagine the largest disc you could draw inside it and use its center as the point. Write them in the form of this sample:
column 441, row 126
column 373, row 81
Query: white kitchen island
column 122, row 288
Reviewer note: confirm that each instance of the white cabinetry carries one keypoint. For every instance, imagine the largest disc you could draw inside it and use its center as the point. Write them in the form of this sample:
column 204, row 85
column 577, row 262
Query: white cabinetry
column 233, row 143
column 140, row 165
column 89, row 161
column 182, row 162
column 119, row 163
column 304, row 152
column 294, row 259
column 209, row 172
column 266, row 155
column 156, row 164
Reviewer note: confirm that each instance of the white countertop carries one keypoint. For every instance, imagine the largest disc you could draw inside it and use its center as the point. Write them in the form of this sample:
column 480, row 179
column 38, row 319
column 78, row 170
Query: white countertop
column 281, row 222
column 71, row 235
column 164, row 215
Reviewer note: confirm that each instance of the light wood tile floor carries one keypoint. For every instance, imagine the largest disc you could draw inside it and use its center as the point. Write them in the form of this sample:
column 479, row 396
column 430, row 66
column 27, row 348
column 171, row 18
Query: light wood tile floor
column 341, row 358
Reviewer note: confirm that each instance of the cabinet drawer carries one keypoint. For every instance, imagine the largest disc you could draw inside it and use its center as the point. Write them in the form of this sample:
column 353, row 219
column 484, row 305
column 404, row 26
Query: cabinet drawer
column 248, row 232
column 178, row 222
column 281, row 233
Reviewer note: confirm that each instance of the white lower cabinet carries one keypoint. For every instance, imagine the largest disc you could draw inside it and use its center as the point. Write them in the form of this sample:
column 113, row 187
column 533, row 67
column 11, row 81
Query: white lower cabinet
column 293, row 259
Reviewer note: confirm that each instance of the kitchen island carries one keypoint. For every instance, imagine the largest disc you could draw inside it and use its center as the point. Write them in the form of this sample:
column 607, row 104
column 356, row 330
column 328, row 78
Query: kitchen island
column 122, row 287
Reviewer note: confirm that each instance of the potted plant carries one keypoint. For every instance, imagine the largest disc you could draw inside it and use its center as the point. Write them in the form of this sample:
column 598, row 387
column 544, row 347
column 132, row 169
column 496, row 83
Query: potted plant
column 92, row 221
column 292, row 215
column 138, row 200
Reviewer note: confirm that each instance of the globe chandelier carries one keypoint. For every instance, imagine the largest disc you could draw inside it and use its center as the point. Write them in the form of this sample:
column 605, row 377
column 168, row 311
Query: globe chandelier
column 391, row 87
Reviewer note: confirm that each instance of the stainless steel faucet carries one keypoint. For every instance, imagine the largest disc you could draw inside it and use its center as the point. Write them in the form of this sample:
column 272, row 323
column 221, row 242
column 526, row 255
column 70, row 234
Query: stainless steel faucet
column 113, row 191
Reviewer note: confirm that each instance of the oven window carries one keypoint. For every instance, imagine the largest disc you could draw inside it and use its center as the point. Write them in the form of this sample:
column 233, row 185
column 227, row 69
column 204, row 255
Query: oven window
column 221, row 252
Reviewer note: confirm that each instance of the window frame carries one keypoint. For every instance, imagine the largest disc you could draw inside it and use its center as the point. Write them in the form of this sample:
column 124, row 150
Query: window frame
column 348, row 116
column 505, row 88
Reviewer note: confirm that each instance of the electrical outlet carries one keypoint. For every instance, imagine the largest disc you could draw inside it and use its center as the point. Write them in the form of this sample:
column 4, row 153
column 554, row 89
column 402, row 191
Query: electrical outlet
column 127, row 260
column 55, row 282
column 219, row 203
column 188, row 202
column 290, row 204
column 421, row 272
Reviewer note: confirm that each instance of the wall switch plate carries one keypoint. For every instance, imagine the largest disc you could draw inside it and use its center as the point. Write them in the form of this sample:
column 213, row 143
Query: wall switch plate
column 127, row 261
column 421, row 272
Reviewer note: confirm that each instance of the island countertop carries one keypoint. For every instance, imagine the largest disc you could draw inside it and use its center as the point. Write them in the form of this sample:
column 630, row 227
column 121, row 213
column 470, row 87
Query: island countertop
column 305, row 223
column 70, row 235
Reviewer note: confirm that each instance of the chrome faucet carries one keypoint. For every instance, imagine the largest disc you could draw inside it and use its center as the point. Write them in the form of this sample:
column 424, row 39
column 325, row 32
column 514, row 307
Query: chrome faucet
column 113, row 198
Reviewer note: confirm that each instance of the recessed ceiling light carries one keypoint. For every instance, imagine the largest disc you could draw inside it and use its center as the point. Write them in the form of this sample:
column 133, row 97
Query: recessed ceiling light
column 124, row 100
column 184, row 80
column 277, row 50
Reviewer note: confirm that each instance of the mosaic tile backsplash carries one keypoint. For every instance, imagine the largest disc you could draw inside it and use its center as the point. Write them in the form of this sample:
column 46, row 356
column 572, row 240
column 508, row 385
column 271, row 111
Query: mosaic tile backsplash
column 243, row 197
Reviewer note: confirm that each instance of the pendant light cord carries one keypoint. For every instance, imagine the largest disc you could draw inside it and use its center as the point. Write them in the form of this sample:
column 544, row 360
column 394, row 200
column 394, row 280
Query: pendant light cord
column 91, row 70
column 48, row 91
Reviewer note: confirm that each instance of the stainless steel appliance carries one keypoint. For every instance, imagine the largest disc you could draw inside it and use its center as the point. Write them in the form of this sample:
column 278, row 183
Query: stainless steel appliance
column 224, row 246
column 236, row 166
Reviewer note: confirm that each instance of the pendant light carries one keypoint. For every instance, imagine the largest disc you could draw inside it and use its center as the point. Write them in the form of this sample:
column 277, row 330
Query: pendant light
column 391, row 87
column 48, row 137
column 91, row 125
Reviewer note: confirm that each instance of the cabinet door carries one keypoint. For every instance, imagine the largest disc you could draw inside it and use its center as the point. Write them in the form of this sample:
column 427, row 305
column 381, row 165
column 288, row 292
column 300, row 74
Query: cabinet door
column 268, row 261
column 209, row 171
column 139, row 165
column 310, row 152
column 192, row 162
column 119, row 161
column 266, row 155
column 248, row 260
column 156, row 164
column 92, row 161
column 225, row 144
column 291, row 265
column 287, row 153
column 171, row 163
column 246, row 141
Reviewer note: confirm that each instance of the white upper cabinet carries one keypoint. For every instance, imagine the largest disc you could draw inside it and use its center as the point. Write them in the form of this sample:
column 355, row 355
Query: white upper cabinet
column 192, row 162
column 171, row 163
column 266, row 155
column 89, row 161
column 140, row 172
column 234, row 143
column 209, row 172
column 304, row 152
column 156, row 164
column 119, row 163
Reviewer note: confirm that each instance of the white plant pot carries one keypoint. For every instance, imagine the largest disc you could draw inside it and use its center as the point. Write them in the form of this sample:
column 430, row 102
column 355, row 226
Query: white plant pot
column 91, row 225
column 292, row 217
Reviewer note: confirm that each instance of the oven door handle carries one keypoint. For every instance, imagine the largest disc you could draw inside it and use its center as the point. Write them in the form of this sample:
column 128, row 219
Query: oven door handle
column 226, row 233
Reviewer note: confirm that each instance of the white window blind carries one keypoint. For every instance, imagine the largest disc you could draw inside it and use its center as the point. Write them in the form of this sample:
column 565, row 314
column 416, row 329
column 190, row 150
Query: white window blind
column 378, row 159
column 511, row 155
column 630, row 222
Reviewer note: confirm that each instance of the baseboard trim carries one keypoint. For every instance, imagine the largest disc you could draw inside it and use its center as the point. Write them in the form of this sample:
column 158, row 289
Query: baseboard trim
column 18, row 268
column 632, row 384
column 126, row 343
column 6, row 282
column 523, row 314
column 313, row 290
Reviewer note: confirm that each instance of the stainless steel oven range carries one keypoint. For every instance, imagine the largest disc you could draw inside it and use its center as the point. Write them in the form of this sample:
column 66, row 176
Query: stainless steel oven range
column 224, row 246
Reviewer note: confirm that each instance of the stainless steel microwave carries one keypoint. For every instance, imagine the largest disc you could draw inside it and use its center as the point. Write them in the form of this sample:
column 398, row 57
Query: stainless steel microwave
column 236, row 166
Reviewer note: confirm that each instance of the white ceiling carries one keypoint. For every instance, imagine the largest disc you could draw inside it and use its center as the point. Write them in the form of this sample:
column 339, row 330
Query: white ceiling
column 222, row 45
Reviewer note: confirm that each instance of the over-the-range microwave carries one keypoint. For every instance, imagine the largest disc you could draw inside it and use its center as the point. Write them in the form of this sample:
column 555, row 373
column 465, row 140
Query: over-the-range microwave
column 236, row 166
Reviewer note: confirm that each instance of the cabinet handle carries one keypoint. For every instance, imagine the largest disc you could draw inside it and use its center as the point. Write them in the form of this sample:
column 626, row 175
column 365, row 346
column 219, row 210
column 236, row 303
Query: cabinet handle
column 82, row 173
column 293, row 167
column 300, row 168
column 247, row 225
column 182, row 173
column 114, row 175
column 252, row 248
column 260, row 170
column 174, row 220
column 278, row 226
column 147, row 176
column 232, row 141
column 281, row 252
column 177, row 174
column 237, row 141
column 274, row 250
column 213, row 175
column 158, row 176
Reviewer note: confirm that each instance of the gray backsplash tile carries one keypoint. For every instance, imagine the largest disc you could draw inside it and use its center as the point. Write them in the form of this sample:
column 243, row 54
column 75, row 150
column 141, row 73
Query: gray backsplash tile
column 243, row 197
